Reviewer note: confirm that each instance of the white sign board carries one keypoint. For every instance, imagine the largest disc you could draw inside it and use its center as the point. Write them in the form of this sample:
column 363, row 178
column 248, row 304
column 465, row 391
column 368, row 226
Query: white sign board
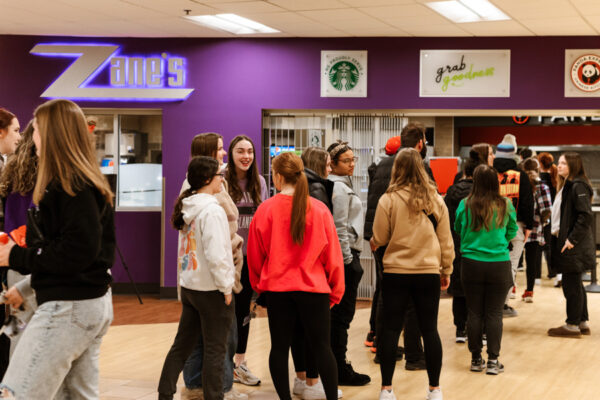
column 343, row 74
column 582, row 73
column 464, row 73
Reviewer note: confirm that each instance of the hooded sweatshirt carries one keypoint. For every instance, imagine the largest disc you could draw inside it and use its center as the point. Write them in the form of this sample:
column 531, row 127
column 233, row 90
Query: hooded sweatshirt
column 204, row 248
column 347, row 215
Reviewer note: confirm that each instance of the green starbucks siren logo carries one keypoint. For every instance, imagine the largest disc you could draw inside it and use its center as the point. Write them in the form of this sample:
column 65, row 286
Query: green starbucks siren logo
column 344, row 75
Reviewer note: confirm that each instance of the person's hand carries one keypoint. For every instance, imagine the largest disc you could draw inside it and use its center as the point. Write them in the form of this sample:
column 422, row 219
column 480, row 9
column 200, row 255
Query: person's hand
column 372, row 243
column 13, row 297
column 5, row 252
column 527, row 233
column 444, row 282
column 228, row 298
column 568, row 246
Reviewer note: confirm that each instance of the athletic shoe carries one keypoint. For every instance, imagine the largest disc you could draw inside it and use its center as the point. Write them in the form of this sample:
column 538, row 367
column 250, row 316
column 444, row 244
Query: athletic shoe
column 235, row 395
column 192, row 394
column 373, row 349
column 348, row 377
column 494, row 367
column 387, row 395
column 513, row 292
column 317, row 392
column 565, row 331
column 243, row 375
column 478, row 365
column 299, row 387
column 484, row 339
column 538, row 282
column 509, row 312
column 370, row 338
column 584, row 328
column 415, row 365
column 435, row 394
column 461, row 336
column 527, row 296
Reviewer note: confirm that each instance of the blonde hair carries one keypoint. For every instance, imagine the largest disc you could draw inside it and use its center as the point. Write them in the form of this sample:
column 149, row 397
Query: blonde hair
column 67, row 155
column 409, row 173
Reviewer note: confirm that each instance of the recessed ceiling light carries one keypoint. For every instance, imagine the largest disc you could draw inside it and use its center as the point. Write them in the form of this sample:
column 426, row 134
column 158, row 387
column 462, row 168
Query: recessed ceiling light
column 230, row 23
column 463, row 11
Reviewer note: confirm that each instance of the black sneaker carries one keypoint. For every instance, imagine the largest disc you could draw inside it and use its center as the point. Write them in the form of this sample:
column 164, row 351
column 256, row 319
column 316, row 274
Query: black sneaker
column 477, row 365
column 348, row 377
column 415, row 365
column 494, row 367
column 461, row 336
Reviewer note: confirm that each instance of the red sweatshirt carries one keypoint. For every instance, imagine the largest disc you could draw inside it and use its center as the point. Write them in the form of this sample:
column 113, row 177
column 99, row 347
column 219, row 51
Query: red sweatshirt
column 277, row 264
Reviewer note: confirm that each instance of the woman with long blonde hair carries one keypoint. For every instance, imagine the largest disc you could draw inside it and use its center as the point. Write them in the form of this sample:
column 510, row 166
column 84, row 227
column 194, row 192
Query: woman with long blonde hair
column 416, row 265
column 70, row 248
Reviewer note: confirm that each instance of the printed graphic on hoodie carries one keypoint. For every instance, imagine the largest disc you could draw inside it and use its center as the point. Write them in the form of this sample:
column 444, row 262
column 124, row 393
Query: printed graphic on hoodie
column 187, row 248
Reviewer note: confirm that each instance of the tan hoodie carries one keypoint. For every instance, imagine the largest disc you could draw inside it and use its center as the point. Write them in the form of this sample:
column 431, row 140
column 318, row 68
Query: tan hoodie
column 413, row 246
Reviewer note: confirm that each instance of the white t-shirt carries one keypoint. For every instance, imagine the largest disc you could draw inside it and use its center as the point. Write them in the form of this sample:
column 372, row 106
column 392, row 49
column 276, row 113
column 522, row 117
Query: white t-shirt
column 555, row 224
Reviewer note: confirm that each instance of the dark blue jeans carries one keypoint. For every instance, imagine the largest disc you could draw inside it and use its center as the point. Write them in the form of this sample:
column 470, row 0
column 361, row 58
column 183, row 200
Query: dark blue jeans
column 192, row 371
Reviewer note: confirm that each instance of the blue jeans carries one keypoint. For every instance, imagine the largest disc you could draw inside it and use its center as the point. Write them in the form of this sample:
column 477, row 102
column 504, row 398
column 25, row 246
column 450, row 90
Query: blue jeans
column 57, row 356
column 192, row 371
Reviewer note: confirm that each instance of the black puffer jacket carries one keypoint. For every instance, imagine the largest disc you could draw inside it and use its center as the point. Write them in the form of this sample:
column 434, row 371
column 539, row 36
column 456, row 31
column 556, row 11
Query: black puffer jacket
column 319, row 188
column 576, row 220
column 379, row 180
column 454, row 195
column 526, row 202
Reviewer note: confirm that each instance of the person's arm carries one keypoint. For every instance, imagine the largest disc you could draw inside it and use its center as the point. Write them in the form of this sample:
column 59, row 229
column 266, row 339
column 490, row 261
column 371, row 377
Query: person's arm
column 217, row 248
column 583, row 213
column 77, row 244
column 444, row 236
column 382, row 229
column 256, row 252
column 332, row 259
column 511, row 224
column 341, row 208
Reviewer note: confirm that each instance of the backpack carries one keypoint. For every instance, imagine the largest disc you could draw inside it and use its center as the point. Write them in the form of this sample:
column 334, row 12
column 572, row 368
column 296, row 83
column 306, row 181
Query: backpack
column 510, row 181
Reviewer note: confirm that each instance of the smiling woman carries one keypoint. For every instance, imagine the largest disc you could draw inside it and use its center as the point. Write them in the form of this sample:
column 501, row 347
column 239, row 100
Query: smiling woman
column 9, row 132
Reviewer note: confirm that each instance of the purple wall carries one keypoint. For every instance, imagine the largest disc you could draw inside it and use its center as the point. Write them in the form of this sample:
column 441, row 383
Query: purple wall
column 236, row 79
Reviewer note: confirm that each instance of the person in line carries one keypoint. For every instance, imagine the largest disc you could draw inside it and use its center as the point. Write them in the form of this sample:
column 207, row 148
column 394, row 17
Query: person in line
column 541, row 213
column 210, row 144
column 454, row 196
column 573, row 247
column 549, row 176
column 416, row 265
column 70, row 249
column 349, row 223
column 515, row 185
column 486, row 153
column 17, row 182
column 294, row 258
column 206, row 278
column 486, row 223
column 247, row 189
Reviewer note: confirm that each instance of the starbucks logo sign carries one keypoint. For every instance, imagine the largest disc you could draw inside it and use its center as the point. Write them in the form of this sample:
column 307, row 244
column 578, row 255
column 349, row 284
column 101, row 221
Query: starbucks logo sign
column 343, row 74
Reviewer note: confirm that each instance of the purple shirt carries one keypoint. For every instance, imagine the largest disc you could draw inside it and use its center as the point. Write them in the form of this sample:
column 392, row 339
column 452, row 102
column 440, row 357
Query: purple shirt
column 247, row 208
column 15, row 211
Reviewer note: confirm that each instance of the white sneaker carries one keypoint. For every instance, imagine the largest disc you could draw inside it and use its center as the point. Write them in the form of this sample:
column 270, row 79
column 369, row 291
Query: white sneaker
column 387, row 395
column 435, row 394
column 235, row 395
column 243, row 375
column 538, row 282
column 299, row 387
column 317, row 392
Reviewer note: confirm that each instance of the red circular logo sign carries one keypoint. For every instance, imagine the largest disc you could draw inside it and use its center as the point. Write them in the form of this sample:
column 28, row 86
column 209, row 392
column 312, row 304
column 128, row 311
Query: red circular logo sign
column 585, row 73
column 520, row 120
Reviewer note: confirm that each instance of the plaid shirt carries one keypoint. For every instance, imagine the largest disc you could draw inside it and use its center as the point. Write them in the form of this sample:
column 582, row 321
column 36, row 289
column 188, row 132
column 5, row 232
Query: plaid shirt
column 542, row 205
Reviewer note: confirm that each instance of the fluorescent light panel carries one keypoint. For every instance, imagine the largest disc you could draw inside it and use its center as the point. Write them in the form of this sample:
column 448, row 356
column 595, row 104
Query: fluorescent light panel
column 231, row 23
column 463, row 11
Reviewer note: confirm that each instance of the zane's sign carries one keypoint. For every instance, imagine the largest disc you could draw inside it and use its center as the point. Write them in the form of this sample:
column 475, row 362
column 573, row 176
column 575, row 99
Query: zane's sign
column 132, row 78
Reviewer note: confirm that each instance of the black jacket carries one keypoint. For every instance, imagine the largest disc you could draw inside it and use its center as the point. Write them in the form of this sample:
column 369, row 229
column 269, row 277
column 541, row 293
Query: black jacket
column 526, row 201
column 576, row 220
column 319, row 188
column 379, row 180
column 454, row 195
column 547, row 179
column 71, row 262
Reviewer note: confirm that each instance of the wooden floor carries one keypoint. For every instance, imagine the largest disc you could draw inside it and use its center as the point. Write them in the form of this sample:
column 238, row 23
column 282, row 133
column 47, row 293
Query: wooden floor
column 537, row 366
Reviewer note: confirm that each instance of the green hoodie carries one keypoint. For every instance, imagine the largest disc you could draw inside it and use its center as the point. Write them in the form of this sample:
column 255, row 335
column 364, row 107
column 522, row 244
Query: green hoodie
column 485, row 245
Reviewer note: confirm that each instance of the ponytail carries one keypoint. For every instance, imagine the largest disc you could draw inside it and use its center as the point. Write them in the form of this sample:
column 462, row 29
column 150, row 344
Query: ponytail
column 554, row 175
column 177, row 217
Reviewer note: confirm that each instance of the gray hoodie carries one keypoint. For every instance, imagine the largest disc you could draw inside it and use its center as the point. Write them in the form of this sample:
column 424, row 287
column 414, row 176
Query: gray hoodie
column 347, row 215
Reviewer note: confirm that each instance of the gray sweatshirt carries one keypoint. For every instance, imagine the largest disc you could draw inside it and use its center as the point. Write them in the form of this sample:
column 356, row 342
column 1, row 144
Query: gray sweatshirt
column 347, row 215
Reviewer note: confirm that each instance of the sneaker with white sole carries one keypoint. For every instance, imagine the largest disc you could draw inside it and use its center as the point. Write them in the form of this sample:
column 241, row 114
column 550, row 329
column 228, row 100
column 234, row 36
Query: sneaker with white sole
column 243, row 375
column 234, row 395
column 387, row 395
column 317, row 392
column 494, row 367
column 299, row 387
column 478, row 365
column 435, row 394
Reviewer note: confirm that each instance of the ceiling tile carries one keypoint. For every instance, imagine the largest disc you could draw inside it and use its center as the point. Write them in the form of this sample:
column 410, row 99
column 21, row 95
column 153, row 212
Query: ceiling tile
column 174, row 7
column 334, row 15
column 318, row 33
column 109, row 8
column 247, row 7
column 375, row 3
column 406, row 15
column 436, row 30
column 496, row 28
column 287, row 20
column 594, row 21
column 306, row 5
column 362, row 23
column 367, row 31
column 587, row 7
column 567, row 26
column 536, row 9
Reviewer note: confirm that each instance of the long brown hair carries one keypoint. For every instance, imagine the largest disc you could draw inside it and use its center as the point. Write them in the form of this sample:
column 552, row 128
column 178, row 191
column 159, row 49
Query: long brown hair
column 20, row 172
column 485, row 199
column 315, row 158
column 482, row 150
column 409, row 173
column 6, row 118
column 576, row 169
column 547, row 161
column 532, row 167
column 66, row 155
column 206, row 144
column 291, row 168
column 253, row 186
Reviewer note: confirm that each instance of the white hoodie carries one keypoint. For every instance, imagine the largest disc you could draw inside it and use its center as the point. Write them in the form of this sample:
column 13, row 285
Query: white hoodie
column 204, row 249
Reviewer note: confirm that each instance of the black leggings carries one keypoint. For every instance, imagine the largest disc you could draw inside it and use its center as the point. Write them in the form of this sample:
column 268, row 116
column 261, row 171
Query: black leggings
column 533, row 258
column 304, row 360
column 312, row 309
column 242, row 309
column 397, row 291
